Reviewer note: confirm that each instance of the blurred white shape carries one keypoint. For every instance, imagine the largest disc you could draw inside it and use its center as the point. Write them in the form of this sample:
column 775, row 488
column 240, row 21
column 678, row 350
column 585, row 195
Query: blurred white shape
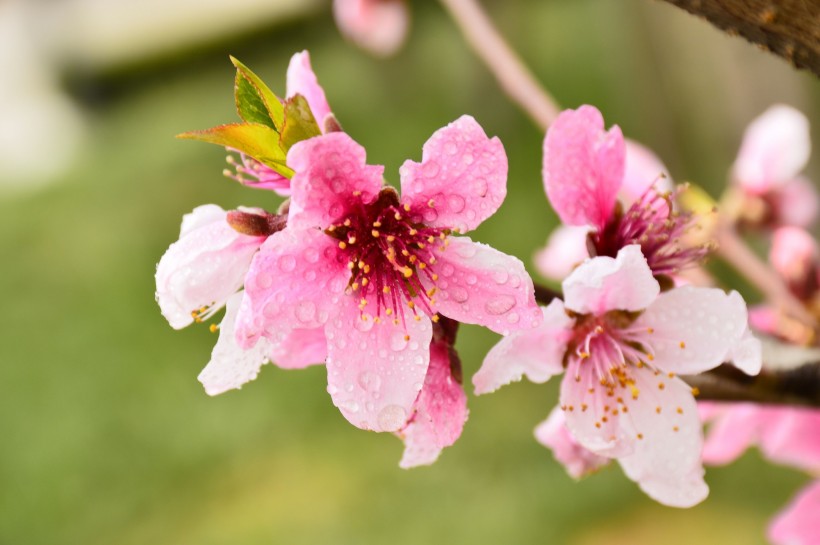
column 41, row 130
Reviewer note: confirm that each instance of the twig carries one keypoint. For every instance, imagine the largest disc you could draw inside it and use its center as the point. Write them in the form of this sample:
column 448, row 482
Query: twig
column 514, row 77
column 798, row 386
column 788, row 28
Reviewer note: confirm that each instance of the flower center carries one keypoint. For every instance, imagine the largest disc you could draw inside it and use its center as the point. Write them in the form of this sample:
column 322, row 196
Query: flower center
column 660, row 230
column 388, row 256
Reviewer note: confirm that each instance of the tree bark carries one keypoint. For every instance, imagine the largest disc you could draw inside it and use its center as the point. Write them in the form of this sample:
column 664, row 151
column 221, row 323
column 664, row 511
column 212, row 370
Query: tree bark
column 788, row 28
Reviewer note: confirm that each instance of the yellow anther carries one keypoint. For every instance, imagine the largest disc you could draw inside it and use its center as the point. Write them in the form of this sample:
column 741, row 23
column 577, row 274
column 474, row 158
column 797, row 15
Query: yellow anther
column 355, row 286
column 413, row 259
column 431, row 239
column 413, row 232
column 695, row 391
column 682, row 344
column 213, row 328
column 431, row 203
column 397, row 216
column 417, row 318
column 420, row 245
column 661, row 386
column 365, row 281
column 351, row 240
column 360, row 264
column 675, row 428
column 357, row 193
column 640, row 436
column 407, row 337
column 406, row 207
column 411, row 304
column 432, row 261
column 377, row 224
column 650, row 330
column 389, row 311
column 408, row 272
column 435, row 318
column 396, row 321
column 366, row 269
column 386, row 289
column 680, row 410
column 351, row 265
column 422, row 265
column 342, row 244
column 431, row 292
column 374, row 233
column 391, row 238
column 434, row 276
column 347, row 222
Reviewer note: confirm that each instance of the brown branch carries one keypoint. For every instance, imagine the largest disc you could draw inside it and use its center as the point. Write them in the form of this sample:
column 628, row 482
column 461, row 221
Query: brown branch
column 788, row 28
column 798, row 386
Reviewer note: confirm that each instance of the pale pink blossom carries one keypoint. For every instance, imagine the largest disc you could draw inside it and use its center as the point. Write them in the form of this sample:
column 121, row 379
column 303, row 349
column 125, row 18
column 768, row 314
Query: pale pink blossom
column 785, row 435
column 775, row 150
column 586, row 167
column 797, row 524
column 374, row 270
column 439, row 412
column 794, row 255
column 378, row 26
column 207, row 265
column 567, row 244
column 301, row 80
column 578, row 461
column 622, row 343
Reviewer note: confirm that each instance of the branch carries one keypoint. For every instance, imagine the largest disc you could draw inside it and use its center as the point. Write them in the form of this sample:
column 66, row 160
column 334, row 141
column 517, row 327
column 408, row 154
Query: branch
column 788, row 28
column 515, row 79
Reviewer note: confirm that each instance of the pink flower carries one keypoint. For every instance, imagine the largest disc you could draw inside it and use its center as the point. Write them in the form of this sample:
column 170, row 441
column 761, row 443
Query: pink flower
column 373, row 270
column 301, row 80
column 439, row 412
column 797, row 524
column 378, row 26
column 585, row 168
column 775, row 150
column 622, row 343
column 794, row 255
column 567, row 244
column 578, row 461
column 785, row 435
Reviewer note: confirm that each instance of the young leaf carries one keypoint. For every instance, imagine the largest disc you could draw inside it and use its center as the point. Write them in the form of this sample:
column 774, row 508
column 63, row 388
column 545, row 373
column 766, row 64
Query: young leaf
column 249, row 104
column 299, row 122
column 258, row 141
column 257, row 87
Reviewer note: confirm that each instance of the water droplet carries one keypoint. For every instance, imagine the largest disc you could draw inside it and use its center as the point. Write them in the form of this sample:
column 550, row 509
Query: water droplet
column 350, row 406
column 418, row 386
column 468, row 158
column 467, row 250
column 480, row 187
column 349, row 387
column 471, row 279
column 500, row 304
column 305, row 311
column 270, row 310
column 450, row 147
column 430, row 169
column 369, row 406
column 391, row 418
column 398, row 341
column 311, row 255
column 287, row 263
column 500, row 276
column 458, row 294
column 310, row 275
column 364, row 325
column 456, row 203
column 447, row 269
column 513, row 318
column 263, row 280
column 419, row 360
column 370, row 381
column 430, row 215
column 331, row 389
column 382, row 353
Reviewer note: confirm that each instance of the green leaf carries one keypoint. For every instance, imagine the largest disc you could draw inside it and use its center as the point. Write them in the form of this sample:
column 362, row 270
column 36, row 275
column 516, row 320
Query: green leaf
column 299, row 122
column 258, row 141
column 251, row 94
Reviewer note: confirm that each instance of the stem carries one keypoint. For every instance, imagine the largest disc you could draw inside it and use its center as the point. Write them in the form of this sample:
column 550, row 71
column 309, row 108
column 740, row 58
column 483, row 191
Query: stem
column 735, row 251
column 515, row 78
column 798, row 386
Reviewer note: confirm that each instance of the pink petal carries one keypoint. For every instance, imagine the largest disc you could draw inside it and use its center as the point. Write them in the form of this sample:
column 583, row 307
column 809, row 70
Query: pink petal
column 461, row 180
column 797, row 524
column 536, row 353
column 331, row 177
column 764, row 319
column 302, row 81
column 797, row 203
column 791, row 436
column 747, row 354
column 691, row 330
column 578, row 461
column 480, row 285
column 441, row 411
column 565, row 249
column 775, row 148
column 379, row 26
column 602, row 284
column 231, row 366
column 204, row 267
column 734, row 428
column 296, row 281
column 583, row 167
column 666, row 460
column 300, row 348
column 793, row 254
column 643, row 170
column 376, row 370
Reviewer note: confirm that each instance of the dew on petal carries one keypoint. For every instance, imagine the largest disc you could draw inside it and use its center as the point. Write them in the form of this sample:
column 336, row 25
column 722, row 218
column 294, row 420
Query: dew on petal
column 430, row 169
column 500, row 276
column 370, row 381
column 458, row 294
column 466, row 250
column 350, row 406
column 500, row 304
column 305, row 311
column 263, row 280
column 391, row 418
column 450, row 147
column 456, row 203
column 480, row 187
column 398, row 340
column 311, row 255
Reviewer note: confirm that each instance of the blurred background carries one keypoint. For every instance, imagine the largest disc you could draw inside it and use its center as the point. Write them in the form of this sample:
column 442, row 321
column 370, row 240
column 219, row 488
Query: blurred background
column 106, row 435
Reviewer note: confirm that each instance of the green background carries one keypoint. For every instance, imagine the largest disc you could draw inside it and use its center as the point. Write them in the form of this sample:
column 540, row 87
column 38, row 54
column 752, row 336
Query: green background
column 107, row 437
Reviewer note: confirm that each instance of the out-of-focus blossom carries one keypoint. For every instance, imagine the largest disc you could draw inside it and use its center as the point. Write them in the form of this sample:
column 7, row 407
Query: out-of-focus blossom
column 374, row 270
column 578, row 461
column 301, row 80
column 567, row 244
column 785, row 435
column 622, row 342
column 585, row 168
column 774, row 152
column 794, row 255
column 378, row 26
